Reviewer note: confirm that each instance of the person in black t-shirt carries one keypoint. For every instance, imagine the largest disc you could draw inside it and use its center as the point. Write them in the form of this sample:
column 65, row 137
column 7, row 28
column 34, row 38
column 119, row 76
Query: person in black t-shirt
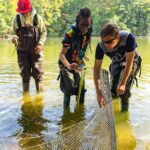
column 121, row 48
column 73, row 52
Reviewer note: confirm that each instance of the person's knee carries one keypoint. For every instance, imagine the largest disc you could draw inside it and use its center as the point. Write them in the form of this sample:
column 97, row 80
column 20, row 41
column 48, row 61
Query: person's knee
column 37, row 72
column 38, row 77
column 25, row 73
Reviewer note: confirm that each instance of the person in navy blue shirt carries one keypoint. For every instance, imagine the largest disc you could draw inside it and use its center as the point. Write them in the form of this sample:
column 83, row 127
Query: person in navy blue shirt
column 121, row 48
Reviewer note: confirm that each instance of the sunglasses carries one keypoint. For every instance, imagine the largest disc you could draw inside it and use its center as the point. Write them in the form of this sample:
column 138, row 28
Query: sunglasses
column 109, row 42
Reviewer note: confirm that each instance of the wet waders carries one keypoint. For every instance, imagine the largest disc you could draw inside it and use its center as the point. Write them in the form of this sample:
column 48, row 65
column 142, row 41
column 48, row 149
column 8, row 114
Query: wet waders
column 80, row 82
column 30, row 63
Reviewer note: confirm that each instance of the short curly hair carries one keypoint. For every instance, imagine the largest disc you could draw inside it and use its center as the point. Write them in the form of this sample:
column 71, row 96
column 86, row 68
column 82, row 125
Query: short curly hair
column 110, row 29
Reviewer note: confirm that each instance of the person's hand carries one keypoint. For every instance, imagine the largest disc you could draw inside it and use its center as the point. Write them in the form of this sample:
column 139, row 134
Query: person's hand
column 15, row 40
column 74, row 66
column 101, row 100
column 120, row 89
column 38, row 48
column 86, row 58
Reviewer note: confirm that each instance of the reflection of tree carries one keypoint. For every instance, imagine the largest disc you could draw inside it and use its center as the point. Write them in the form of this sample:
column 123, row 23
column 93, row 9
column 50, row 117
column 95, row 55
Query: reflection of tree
column 125, row 136
column 32, row 122
column 70, row 118
column 73, row 126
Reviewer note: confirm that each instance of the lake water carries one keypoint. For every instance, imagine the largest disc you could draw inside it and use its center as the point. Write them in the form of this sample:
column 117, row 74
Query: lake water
column 32, row 120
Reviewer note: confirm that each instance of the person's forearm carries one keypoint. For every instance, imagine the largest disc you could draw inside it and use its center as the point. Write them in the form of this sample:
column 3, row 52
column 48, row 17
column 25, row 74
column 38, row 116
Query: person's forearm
column 64, row 60
column 97, row 80
column 43, row 37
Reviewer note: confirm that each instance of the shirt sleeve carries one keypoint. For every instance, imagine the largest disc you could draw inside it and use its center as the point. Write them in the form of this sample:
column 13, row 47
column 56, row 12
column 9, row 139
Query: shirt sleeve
column 99, row 54
column 131, row 43
column 14, row 26
column 67, row 41
column 42, row 29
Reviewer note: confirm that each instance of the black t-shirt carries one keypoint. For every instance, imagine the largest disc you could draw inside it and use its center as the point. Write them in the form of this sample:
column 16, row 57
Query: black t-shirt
column 119, row 54
column 76, row 44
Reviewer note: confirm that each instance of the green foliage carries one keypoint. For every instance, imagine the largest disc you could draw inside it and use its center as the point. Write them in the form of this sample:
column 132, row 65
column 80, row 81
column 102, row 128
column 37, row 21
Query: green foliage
column 132, row 15
column 49, row 9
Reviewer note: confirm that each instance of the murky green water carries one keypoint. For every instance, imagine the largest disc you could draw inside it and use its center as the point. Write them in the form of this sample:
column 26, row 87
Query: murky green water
column 32, row 120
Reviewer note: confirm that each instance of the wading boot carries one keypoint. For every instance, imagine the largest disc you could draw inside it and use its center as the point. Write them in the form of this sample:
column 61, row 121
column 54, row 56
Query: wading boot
column 25, row 87
column 82, row 96
column 39, row 86
column 66, row 100
column 124, row 105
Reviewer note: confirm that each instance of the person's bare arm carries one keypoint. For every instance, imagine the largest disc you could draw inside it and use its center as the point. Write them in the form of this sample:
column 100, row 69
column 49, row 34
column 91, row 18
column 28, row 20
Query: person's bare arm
column 97, row 68
column 72, row 66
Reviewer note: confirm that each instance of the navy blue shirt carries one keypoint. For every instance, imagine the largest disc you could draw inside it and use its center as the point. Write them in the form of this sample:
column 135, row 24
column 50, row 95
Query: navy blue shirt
column 119, row 54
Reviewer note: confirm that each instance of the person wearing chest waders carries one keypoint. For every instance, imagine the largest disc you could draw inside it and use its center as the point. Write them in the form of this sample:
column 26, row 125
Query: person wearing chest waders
column 29, row 34
column 72, row 56
column 121, row 47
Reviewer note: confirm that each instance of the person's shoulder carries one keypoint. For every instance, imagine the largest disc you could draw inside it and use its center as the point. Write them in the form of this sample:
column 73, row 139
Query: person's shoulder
column 131, row 42
column 72, row 31
column 39, row 17
column 131, row 35
column 131, row 38
column 35, row 13
column 127, row 33
column 124, row 33
column 16, row 16
column 98, row 47
column 16, row 19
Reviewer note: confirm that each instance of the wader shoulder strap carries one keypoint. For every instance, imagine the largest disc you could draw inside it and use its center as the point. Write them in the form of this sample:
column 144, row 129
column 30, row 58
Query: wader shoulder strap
column 124, row 36
column 18, row 20
column 35, row 20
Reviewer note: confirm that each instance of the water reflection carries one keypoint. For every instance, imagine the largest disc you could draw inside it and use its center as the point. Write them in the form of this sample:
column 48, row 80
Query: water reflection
column 32, row 122
column 72, row 128
column 32, row 113
column 70, row 118
column 125, row 137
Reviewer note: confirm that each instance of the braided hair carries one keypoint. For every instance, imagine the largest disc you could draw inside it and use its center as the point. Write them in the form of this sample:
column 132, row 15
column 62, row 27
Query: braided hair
column 85, row 13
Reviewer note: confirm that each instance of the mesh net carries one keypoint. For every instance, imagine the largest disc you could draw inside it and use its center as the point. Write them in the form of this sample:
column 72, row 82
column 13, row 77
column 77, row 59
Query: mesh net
column 93, row 134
